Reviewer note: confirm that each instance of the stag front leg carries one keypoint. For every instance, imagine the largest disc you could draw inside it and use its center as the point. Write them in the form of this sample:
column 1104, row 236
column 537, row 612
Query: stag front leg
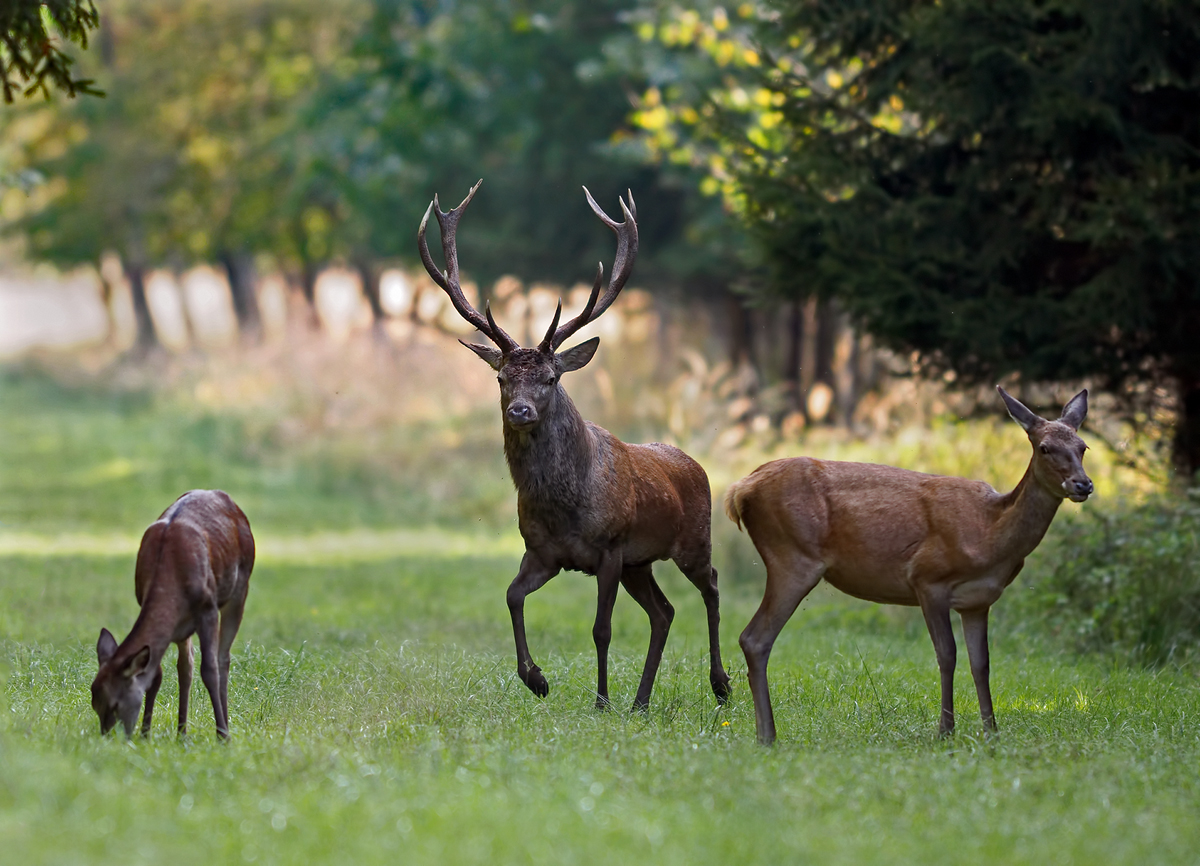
column 975, row 623
column 532, row 577
column 608, row 579
column 937, row 619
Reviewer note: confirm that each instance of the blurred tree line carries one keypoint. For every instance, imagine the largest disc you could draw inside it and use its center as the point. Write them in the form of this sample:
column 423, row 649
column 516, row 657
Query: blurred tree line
column 994, row 186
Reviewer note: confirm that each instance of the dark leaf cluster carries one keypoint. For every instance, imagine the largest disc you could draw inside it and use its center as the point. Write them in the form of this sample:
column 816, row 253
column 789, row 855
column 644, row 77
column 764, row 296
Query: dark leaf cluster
column 31, row 58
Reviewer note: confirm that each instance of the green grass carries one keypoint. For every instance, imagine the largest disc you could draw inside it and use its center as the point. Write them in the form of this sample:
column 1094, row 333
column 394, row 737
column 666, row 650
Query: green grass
column 377, row 717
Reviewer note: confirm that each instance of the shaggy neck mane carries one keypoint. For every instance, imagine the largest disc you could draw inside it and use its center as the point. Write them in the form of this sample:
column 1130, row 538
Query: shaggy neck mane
column 551, row 465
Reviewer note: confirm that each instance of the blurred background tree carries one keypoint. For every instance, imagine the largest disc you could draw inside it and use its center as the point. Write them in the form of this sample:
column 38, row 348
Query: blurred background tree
column 31, row 58
column 1000, row 188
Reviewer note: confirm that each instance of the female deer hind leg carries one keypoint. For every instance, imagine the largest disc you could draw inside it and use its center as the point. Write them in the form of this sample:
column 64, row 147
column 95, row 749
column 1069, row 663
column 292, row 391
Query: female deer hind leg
column 532, row 576
column 640, row 584
column 790, row 577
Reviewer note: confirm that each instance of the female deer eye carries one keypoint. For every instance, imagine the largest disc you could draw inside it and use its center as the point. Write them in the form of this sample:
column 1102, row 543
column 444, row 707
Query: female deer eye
column 1043, row 449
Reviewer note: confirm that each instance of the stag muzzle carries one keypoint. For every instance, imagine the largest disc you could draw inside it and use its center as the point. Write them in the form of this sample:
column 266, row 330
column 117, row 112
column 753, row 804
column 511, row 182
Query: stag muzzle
column 521, row 416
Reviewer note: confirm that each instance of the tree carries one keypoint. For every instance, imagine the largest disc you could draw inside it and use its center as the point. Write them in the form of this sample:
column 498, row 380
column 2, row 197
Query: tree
column 1003, row 187
column 30, row 57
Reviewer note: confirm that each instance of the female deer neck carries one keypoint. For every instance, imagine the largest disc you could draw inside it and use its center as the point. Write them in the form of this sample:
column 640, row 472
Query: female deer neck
column 1028, row 511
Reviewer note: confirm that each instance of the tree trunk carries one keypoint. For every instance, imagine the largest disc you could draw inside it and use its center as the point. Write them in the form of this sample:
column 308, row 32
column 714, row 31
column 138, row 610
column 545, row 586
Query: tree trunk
column 239, row 268
column 147, row 336
column 741, row 346
column 795, row 350
column 370, row 276
column 308, row 285
column 1186, row 445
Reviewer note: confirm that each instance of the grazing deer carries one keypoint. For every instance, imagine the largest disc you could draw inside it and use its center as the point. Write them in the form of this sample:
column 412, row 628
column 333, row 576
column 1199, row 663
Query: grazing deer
column 899, row 537
column 193, row 568
column 586, row 501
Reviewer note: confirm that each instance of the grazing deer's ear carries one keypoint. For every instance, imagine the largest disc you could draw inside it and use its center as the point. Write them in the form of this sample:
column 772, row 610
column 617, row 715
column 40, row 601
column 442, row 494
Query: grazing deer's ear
column 494, row 357
column 1075, row 410
column 106, row 646
column 578, row 356
column 137, row 664
column 1019, row 411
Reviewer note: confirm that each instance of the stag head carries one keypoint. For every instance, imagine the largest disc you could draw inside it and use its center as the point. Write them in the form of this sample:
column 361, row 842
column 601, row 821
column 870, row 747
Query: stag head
column 1057, row 448
column 529, row 377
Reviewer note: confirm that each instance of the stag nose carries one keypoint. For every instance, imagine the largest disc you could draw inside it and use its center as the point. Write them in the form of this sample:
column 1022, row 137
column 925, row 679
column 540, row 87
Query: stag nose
column 521, row 415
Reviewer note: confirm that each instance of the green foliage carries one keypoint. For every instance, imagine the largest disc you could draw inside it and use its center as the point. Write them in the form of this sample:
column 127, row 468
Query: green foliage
column 31, row 58
column 1121, row 582
column 1001, row 187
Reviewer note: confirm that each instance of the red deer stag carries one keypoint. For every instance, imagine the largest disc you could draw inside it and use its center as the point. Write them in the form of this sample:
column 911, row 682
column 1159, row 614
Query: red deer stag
column 899, row 537
column 192, row 575
column 585, row 500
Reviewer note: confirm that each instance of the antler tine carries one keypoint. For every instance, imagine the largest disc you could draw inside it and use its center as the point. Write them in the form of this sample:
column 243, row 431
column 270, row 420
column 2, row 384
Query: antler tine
column 627, row 246
column 546, row 344
column 448, row 280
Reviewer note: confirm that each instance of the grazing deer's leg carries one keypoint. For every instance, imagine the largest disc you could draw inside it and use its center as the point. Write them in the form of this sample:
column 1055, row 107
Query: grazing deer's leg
column 608, row 579
column 151, row 694
column 184, row 668
column 975, row 623
column 532, row 576
column 704, row 578
column 639, row 583
column 231, row 621
column 210, row 674
column 789, row 580
column 937, row 618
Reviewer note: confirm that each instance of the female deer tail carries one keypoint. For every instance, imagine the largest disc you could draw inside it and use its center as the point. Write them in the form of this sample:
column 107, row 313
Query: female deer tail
column 733, row 500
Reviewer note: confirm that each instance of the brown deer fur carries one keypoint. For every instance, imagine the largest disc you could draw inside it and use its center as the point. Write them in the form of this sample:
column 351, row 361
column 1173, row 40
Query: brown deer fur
column 586, row 501
column 192, row 575
column 899, row 537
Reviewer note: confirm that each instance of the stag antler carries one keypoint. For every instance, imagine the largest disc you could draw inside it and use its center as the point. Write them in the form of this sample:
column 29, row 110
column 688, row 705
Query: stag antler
column 627, row 246
column 448, row 225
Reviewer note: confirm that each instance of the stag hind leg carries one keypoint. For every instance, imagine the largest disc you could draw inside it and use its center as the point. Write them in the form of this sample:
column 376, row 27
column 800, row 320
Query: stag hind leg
column 704, row 578
column 640, row 584
column 789, row 579
column 532, row 576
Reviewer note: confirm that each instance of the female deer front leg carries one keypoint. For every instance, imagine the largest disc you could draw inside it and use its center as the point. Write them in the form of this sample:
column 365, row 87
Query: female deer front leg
column 937, row 618
column 532, row 577
column 975, row 624
column 151, row 695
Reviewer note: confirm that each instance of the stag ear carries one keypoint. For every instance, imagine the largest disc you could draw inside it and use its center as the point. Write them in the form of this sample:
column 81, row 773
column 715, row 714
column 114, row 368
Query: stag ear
column 106, row 646
column 578, row 356
column 1020, row 413
column 1075, row 410
column 494, row 357
column 138, row 664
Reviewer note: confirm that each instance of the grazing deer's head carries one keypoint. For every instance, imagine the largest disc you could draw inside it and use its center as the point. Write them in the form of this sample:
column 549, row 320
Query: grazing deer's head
column 118, row 690
column 529, row 377
column 1057, row 449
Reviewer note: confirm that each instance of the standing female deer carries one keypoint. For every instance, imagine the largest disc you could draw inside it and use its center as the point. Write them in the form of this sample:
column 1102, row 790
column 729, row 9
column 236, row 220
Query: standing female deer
column 586, row 501
column 899, row 537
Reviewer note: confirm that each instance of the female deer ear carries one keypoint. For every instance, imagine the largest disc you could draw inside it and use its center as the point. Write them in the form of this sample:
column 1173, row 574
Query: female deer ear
column 106, row 646
column 494, row 357
column 137, row 664
column 1019, row 411
column 1075, row 410
column 578, row 356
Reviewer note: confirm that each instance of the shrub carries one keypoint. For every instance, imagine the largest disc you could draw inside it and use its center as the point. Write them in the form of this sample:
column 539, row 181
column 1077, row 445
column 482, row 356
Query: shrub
column 1124, row 582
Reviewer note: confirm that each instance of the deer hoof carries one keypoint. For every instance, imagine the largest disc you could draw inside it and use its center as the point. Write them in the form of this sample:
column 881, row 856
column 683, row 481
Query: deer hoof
column 536, row 682
column 722, row 688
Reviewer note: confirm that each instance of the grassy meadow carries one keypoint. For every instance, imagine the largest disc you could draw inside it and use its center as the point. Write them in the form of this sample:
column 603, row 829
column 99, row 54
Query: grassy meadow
column 375, row 710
